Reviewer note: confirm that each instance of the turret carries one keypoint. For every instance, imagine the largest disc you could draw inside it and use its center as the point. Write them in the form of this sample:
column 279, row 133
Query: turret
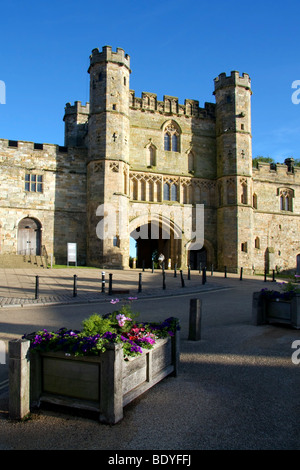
column 234, row 168
column 108, row 152
column 76, row 124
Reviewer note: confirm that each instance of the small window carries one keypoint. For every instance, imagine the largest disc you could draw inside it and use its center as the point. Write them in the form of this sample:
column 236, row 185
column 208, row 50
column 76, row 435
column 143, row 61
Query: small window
column 244, row 247
column 171, row 139
column 257, row 242
column 286, row 200
column 116, row 241
column 13, row 143
column 33, row 183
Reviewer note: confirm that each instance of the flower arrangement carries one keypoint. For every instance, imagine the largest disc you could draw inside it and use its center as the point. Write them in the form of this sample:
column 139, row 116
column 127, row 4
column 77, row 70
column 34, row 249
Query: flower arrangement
column 288, row 290
column 99, row 330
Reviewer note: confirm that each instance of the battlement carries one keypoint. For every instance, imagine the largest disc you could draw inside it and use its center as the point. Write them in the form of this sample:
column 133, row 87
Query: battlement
column 285, row 171
column 77, row 108
column 170, row 105
column 234, row 79
column 21, row 145
column 107, row 55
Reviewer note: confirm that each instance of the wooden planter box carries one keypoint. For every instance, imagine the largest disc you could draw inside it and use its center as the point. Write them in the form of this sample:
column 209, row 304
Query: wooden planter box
column 266, row 310
column 104, row 383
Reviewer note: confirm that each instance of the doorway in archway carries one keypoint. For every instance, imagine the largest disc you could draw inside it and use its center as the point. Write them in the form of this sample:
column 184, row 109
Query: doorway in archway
column 29, row 237
column 148, row 247
column 198, row 258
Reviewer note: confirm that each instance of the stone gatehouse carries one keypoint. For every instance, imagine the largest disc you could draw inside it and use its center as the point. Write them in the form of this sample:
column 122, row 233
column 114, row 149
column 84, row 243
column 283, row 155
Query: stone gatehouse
column 137, row 166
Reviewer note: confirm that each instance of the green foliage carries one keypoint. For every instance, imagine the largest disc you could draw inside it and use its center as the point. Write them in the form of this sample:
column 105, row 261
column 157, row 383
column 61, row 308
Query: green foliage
column 262, row 159
column 96, row 324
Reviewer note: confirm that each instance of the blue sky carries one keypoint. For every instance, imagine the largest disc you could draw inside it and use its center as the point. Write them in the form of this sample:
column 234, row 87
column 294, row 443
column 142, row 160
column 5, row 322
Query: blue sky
column 176, row 47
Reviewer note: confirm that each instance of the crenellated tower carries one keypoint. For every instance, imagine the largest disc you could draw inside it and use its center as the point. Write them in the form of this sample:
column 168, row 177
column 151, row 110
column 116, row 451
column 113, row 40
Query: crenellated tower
column 108, row 158
column 234, row 170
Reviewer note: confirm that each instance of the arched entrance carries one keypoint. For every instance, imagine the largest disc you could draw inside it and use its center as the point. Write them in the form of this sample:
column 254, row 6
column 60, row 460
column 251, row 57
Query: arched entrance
column 29, row 237
column 152, row 239
column 198, row 258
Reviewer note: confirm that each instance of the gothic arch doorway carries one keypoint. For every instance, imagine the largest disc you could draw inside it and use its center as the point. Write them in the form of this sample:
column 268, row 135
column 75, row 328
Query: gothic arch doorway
column 155, row 238
column 198, row 258
column 29, row 237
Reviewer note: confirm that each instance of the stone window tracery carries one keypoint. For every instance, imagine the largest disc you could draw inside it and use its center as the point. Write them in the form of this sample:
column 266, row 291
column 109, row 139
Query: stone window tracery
column 171, row 139
column 286, row 199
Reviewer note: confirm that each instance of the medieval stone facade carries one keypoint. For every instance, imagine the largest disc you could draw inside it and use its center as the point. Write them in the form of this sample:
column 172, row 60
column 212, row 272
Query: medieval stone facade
column 137, row 166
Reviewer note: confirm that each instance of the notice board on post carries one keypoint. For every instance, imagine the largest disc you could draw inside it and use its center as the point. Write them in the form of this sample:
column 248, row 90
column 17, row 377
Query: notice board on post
column 72, row 253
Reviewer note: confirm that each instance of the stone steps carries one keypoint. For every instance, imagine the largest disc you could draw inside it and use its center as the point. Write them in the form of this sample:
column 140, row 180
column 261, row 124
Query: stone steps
column 22, row 261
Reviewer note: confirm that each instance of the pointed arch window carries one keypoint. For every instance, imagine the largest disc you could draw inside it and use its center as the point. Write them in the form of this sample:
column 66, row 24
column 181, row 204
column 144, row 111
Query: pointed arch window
column 286, row 199
column 172, row 138
column 255, row 201
column 244, row 195
column 167, row 141
column 152, row 156
column 170, row 191
column 173, row 192
column 174, row 143
column 190, row 162
column 166, row 192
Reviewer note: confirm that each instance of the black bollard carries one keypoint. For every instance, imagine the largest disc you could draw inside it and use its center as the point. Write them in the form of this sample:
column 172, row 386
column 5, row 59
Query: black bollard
column 143, row 265
column 265, row 276
column 273, row 279
column 212, row 270
column 175, row 270
column 140, row 282
column 225, row 271
column 164, row 280
column 189, row 272
column 103, row 282
column 153, row 266
column 37, row 285
column 75, row 286
column 200, row 268
column 195, row 319
column 110, row 285
column 203, row 275
column 241, row 275
column 182, row 280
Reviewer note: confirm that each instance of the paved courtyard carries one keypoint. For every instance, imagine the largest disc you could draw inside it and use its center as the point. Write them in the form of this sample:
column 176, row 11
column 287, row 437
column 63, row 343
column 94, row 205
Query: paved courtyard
column 237, row 386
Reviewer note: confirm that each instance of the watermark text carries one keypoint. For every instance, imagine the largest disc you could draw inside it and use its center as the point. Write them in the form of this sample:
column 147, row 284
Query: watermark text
column 296, row 93
column 2, row 353
column 2, row 92
column 296, row 354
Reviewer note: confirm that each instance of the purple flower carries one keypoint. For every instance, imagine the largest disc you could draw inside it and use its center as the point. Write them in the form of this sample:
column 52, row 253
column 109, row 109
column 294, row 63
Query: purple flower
column 137, row 349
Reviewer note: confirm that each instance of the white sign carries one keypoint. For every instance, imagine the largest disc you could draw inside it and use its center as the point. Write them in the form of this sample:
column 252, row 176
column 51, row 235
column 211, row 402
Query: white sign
column 72, row 253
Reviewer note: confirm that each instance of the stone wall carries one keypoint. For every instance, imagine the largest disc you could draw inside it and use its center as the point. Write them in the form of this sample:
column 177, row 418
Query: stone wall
column 59, row 206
